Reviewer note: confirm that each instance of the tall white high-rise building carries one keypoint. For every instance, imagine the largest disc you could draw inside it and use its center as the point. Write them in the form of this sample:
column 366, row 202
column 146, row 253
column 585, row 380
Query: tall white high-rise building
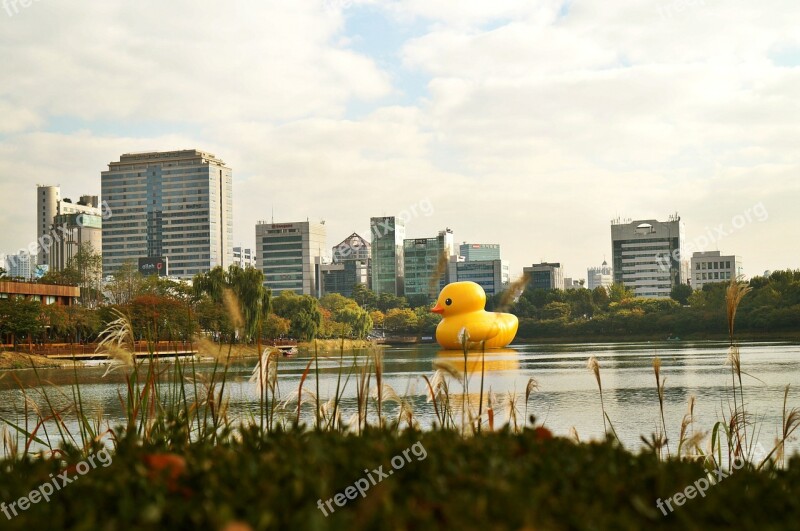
column 173, row 204
column 244, row 257
column 288, row 254
column 647, row 255
column 47, row 200
column 49, row 205
column 20, row 265
column 600, row 276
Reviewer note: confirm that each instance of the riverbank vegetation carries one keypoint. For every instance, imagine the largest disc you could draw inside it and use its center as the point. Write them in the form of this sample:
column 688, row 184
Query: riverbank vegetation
column 772, row 308
column 165, row 310
column 181, row 459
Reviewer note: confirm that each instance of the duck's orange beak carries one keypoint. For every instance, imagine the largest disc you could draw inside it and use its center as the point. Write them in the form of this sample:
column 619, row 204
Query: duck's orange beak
column 437, row 309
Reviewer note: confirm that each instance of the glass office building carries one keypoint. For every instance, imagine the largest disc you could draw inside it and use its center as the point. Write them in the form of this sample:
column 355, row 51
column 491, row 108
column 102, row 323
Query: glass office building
column 174, row 204
column 426, row 264
column 473, row 252
column 491, row 275
column 545, row 276
column 288, row 254
column 387, row 254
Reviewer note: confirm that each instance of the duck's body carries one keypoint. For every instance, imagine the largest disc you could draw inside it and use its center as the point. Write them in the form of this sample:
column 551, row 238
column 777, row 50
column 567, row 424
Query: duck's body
column 461, row 305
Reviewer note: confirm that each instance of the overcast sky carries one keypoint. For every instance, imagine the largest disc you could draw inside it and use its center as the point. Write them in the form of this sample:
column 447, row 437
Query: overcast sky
column 526, row 123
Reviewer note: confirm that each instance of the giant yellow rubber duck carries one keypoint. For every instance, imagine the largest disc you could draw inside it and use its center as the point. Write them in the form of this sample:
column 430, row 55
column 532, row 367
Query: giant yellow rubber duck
column 461, row 305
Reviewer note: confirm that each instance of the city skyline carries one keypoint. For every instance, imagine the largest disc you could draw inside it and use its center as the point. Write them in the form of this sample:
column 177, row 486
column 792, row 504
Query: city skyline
column 590, row 119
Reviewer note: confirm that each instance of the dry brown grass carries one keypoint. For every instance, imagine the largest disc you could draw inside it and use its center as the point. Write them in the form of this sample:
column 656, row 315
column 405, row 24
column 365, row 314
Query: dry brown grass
column 19, row 360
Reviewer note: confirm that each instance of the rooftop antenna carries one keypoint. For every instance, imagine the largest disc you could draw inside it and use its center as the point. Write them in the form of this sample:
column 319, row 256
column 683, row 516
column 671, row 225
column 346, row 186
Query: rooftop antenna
column 273, row 213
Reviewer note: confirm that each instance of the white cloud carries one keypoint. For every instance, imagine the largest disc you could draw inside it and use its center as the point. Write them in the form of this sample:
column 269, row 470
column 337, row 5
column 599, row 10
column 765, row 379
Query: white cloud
column 536, row 129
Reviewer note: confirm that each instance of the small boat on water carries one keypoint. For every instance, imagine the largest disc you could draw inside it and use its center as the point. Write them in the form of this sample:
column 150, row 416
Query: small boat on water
column 287, row 347
column 288, row 352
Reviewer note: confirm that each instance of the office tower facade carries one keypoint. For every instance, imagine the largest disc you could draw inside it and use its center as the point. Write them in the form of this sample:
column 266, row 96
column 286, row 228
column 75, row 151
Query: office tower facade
column 351, row 266
column 388, row 234
column 712, row 266
column 71, row 232
column 647, row 255
column 173, row 204
column 49, row 205
column 288, row 254
column 244, row 257
column 20, row 265
column 572, row 283
column 47, row 200
column 473, row 252
column 545, row 275
column 425, row 264
column 492, row 275
column 600, row 276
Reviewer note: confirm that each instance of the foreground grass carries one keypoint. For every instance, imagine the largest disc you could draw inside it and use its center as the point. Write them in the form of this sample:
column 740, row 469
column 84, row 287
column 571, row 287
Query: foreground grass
column 494, row 481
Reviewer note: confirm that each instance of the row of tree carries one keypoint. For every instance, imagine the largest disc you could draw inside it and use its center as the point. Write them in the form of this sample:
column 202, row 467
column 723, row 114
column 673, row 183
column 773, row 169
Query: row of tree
column 773, row 305
column 234, row 305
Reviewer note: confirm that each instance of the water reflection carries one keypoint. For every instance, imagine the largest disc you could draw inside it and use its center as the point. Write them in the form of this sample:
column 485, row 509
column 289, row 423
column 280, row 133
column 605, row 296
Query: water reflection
column 567, row 396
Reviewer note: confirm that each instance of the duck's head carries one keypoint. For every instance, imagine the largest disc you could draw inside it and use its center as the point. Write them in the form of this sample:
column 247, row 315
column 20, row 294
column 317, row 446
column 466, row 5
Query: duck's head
column 460, row 297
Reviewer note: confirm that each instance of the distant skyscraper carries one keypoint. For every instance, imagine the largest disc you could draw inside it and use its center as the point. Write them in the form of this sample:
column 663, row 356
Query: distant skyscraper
column 70, row 232
column 711, row 266
column 175, row 204
column 491, row 275
column 244, row 257
column 388, row 234
column 426, row 264
column 351, row 266
column 49, row 205
column 47, row 199
column 600, row 276
column 20, row 265
column 545, row 275
column 647, row 255
column 288, row 254
column 479, row 251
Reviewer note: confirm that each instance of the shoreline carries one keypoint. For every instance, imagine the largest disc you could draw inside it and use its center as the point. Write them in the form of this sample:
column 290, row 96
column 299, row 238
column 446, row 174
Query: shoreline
column 18, row 361
column 649, row 338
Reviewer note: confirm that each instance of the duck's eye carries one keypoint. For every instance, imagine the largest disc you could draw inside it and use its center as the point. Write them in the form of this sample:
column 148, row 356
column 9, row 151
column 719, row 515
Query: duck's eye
column 448, row 302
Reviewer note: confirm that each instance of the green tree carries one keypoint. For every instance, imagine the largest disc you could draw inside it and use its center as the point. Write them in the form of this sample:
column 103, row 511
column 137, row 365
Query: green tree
column 20, row 318
column 365, row 297
column 302, row 310
column 600, row 297
column 401, row 320
column 681, row 293
column 125, row 285
column 619, row 293
column 275, row 327
column 387, row 301
column 427, row 321
column 252, row 297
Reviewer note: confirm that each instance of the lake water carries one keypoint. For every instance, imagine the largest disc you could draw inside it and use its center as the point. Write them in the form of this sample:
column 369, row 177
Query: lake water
column 567, row 396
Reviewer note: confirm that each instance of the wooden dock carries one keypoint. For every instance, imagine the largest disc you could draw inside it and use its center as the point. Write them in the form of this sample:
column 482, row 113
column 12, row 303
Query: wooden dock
column 88, row 351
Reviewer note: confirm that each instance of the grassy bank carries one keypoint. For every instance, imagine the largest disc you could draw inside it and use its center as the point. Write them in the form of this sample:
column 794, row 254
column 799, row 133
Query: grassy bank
column 17, row 360
column 335, row 345
column 495, row 481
